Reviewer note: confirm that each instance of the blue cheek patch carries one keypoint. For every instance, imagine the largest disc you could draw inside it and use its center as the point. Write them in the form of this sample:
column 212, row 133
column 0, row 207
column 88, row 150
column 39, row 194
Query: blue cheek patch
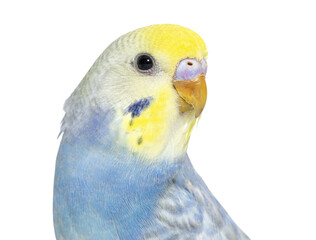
column 136, row 108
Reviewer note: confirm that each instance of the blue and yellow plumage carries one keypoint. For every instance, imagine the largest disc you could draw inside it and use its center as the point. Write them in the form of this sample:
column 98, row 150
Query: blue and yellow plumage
column 122, row 171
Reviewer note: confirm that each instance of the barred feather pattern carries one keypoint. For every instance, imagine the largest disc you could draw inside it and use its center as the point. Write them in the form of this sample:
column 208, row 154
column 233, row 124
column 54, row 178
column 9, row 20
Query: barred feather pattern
column 189, row 211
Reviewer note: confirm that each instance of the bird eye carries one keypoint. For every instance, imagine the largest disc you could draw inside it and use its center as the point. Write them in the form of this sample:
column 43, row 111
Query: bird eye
column 144, row 62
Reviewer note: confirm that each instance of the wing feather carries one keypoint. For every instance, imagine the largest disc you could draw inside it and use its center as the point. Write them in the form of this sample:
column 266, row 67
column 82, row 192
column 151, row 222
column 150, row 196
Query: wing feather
column 188, row 211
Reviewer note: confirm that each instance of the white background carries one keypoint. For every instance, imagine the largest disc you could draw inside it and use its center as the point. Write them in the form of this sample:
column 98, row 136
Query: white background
column 255, row 145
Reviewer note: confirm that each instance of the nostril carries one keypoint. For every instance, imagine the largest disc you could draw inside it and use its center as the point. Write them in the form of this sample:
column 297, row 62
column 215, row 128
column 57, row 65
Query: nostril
column 189, row 69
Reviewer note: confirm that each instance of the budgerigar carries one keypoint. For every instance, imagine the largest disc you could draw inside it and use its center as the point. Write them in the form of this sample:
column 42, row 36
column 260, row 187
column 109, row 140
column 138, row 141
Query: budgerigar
column 122, row 170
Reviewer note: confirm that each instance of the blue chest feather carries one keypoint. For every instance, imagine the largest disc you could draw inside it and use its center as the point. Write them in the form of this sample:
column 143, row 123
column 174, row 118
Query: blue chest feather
column 102, row 192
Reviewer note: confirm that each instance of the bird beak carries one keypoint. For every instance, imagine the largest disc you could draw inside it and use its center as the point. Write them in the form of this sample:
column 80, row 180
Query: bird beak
column 193, row 93
column 189, row 81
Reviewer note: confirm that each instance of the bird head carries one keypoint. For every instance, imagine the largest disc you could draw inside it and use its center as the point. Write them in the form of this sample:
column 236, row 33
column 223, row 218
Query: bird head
column 153, row 81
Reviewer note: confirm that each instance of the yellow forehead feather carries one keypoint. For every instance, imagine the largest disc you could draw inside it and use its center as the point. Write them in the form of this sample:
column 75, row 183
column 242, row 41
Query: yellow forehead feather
column 171, row 42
